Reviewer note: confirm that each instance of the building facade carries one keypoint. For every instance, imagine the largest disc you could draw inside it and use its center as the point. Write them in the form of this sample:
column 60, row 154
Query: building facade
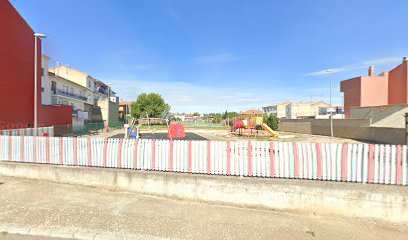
column 279, row 109
column 97, row 94
column 388, row 88
column 306, row 109
column 17, row 53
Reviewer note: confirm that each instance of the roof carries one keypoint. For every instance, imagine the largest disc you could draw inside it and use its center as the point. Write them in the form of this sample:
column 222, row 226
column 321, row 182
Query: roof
column 276, row 104
column 251, row 112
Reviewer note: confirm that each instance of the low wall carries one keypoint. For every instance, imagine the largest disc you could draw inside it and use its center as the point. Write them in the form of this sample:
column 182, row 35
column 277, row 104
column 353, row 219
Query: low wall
column 388, row 203
column 346, row 128
column 359, row 129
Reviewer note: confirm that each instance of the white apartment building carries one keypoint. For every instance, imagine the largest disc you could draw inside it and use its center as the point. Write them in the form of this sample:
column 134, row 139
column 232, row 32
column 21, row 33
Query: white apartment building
column 65, row 92
column 96, row 92
column 45, row 82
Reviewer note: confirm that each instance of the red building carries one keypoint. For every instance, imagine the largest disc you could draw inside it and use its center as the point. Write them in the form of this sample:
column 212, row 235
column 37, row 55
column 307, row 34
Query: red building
column 388, row 88
column 17, row 76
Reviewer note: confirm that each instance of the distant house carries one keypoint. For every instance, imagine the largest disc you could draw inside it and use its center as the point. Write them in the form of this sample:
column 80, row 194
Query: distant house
column 306, row 109
column 251, row 112
column 388, row 88
column 278, row 109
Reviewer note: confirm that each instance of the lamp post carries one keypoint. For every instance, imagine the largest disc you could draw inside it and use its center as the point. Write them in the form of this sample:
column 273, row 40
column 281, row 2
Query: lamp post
column 36, row 37
column 330, row 71
column 109, row 90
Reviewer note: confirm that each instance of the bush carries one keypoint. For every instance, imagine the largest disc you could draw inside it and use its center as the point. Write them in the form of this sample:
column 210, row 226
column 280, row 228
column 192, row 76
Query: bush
column 273, row 122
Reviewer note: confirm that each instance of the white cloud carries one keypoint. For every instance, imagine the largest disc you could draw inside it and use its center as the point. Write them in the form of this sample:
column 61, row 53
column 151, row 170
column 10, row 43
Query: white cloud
column 188, row 97
column 215, row 59
column 358, row 66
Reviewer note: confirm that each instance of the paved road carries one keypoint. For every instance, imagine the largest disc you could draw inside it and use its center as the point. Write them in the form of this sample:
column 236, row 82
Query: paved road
column 38, row 203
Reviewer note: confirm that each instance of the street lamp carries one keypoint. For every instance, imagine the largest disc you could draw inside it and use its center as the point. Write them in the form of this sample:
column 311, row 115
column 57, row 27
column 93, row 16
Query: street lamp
column 330, row 71
column 109, row 89
column 36, row 37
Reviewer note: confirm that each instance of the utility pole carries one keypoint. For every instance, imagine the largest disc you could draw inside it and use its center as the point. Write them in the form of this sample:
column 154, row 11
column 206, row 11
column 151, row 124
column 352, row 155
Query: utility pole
column 331, row 107
column 36, row 36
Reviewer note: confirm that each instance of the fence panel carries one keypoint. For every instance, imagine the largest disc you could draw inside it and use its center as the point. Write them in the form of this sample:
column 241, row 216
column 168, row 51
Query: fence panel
column 364, row 163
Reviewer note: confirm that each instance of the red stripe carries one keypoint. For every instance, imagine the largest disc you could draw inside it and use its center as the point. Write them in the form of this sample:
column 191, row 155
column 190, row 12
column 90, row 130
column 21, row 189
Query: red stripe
column 120, row 153
column 208, row 157
column 344, row 163
column 249, row 158
column 105, row 152
column 189, row 157
column 61, row 151
column 272, row 159
column 399, row 157
column 171, row 155
column 153, row 154
column 89, row 152
column 22, row 150
column 48, row 149
column 76, row 151
column 371, row 163
column 319, row 161
column 228, row 158
column 135, row 155
column 10, row 148
column 295, row 153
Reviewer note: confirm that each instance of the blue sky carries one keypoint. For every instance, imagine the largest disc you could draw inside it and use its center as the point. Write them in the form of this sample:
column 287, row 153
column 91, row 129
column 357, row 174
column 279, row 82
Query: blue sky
column 213, row 55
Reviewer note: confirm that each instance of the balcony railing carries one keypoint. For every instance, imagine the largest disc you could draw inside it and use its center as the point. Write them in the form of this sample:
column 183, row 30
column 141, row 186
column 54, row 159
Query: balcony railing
column 71, row 95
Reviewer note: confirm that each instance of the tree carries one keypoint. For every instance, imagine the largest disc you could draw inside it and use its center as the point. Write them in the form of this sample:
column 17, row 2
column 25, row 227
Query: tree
column 196, row 114
column 153, row 104
column 273, row 122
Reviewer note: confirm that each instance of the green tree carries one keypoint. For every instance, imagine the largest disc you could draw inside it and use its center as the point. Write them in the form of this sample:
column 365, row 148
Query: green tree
column 153, row 104
column 196, row 114
column 273, row 122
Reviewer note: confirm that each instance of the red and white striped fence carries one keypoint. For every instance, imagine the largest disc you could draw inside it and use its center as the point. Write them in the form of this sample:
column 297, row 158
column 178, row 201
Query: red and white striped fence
column 366, row 163
column 28, row 131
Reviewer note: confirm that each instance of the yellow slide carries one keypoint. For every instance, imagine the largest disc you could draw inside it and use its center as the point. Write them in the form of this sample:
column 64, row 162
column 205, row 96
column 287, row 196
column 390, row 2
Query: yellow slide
column 269, row 130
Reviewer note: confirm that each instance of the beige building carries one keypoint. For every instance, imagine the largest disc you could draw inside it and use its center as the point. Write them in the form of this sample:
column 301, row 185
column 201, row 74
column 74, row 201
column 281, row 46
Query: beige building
column 98, row 94
column 306, row 109
column 279, row 109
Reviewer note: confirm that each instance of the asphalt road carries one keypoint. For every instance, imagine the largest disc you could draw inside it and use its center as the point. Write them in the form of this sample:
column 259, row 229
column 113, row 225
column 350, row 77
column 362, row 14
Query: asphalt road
column 44, row 204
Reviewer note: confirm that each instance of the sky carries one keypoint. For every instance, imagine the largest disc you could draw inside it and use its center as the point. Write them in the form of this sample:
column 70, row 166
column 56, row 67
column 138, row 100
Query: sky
column 216, row 55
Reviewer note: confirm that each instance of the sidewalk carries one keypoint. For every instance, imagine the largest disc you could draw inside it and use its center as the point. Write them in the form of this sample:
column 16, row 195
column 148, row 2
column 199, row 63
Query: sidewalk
column 50, row 209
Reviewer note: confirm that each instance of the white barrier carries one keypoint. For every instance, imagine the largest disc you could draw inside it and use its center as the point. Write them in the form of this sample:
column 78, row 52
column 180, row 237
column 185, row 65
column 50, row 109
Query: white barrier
column 365, row 163
column 28, row 131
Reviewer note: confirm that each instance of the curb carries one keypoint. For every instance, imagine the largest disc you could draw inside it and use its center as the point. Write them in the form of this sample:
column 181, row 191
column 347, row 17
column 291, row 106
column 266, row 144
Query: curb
column 69, row 233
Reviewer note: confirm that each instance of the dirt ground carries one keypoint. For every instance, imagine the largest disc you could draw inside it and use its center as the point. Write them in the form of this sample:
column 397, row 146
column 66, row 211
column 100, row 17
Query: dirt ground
column 223, row 135
column 46, row 204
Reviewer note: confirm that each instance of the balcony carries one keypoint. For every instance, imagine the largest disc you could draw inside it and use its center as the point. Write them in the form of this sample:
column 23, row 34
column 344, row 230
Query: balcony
column 64, row 93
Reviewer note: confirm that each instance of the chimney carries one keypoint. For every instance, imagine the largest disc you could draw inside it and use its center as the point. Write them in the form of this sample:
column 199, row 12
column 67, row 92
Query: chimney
column 404, row 59
column 371, row 72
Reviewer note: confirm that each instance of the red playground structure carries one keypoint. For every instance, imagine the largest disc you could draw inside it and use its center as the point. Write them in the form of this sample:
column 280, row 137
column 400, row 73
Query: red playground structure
column 176, row 131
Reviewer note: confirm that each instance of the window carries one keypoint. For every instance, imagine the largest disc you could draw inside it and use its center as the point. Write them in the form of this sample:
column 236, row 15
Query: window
column 42, row 72
column 66, row 89
column 71, row 91
column 89, row 84
column 42, row 89
column 54, row 87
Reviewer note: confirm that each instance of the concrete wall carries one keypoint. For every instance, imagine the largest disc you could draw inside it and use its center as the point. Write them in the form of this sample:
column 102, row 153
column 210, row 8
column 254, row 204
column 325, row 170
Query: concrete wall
column 383, row 202
column 359, row 129
column 392, row 116
column 347, row 128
